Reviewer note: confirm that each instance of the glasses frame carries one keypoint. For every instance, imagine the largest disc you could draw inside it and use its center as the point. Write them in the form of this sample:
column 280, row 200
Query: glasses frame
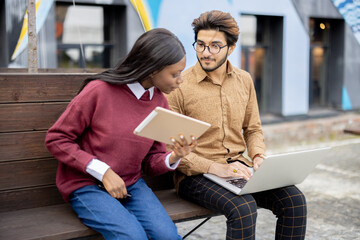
column 208, row 47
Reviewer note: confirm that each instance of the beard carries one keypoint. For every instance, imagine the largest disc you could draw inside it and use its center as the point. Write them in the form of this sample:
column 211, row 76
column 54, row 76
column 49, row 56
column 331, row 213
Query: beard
column 220, row 63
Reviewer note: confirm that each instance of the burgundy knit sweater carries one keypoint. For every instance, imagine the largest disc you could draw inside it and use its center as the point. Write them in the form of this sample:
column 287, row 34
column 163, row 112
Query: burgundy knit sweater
column 99, row 123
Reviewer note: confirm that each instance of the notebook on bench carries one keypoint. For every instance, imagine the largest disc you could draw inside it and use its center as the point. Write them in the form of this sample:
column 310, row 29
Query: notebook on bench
column 276, row 171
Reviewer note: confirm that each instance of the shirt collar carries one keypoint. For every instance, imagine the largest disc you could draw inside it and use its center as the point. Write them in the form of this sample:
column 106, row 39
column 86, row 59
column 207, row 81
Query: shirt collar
column 201, row 74
column 138, row 90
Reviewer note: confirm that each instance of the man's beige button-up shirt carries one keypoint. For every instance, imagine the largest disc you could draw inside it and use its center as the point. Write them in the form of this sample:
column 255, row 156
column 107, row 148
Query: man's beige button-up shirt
column 232, row 110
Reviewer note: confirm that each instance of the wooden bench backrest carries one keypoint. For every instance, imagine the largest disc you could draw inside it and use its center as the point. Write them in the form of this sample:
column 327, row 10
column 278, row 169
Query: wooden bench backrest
column 29, row 105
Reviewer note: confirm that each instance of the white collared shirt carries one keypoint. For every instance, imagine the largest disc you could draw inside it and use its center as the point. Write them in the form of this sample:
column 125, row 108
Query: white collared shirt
column 138, row 90
column 96, row 167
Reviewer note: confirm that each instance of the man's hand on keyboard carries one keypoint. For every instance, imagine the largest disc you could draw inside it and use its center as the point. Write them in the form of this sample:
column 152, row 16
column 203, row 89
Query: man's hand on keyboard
column 234, row 169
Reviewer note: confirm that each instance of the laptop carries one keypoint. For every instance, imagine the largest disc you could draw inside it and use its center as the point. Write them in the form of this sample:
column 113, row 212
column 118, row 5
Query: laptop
column 163, row 124
column 276, row 171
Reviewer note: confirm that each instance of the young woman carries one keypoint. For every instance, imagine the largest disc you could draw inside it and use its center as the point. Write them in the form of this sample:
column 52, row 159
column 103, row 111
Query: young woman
column 101, row 160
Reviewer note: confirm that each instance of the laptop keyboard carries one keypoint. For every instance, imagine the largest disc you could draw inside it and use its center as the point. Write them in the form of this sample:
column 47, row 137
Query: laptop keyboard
column 239, row 182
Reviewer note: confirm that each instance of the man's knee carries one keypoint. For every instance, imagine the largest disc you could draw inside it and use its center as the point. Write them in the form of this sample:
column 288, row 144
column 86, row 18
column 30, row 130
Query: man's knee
column 295, row 204
column 241, row 207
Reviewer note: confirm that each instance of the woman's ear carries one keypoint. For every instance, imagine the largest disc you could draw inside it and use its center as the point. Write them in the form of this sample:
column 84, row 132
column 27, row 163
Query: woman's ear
column 153, row 74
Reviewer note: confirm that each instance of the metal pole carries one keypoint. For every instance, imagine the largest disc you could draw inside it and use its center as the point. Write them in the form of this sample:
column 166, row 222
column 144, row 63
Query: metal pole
column 207, row 219
column 32, row 38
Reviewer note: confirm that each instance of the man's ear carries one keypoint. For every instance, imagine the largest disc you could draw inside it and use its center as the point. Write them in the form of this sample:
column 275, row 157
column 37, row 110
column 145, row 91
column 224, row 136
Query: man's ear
column 231, row 48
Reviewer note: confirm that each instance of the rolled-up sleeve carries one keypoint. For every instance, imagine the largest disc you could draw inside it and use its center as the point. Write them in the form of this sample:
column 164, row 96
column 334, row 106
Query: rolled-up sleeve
column 253, row 133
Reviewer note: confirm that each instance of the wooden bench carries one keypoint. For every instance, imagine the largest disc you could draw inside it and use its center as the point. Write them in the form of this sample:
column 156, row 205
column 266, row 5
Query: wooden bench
column 30, row 205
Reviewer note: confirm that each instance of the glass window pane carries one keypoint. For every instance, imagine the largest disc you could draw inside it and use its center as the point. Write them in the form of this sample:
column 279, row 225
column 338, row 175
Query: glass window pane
column 94, row 57
column 318, row 75
column 248, row 30
column 252, row 60
column 65, row 59
column 80, row 24
column 77, row 25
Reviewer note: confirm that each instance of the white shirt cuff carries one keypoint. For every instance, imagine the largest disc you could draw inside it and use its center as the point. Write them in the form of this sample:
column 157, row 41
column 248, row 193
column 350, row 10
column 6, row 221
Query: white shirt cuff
column 97, row 169
column 172, row 166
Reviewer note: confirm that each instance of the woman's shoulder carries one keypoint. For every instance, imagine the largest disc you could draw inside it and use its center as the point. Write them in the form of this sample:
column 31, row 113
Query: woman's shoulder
column 96, row 84
column 92, row 90
column 98, row 87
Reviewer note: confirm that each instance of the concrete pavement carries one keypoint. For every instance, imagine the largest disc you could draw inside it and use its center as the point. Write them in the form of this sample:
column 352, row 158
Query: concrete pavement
column 332, row 191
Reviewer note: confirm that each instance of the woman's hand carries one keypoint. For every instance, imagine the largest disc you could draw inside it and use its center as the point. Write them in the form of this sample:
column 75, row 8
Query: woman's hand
column 234, row 169
column 114, row 184
column 181, row 148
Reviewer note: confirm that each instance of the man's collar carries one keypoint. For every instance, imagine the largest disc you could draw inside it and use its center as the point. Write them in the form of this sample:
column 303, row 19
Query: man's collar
column 138, row 90
column 201, row 74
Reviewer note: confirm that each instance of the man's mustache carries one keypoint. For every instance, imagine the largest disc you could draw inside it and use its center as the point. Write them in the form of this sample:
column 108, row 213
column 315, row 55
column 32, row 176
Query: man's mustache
column 207, row 58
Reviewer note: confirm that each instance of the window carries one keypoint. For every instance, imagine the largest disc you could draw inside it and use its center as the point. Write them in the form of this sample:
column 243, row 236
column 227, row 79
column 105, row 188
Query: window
column 81, row 35
column 253, row 51
column 326, row 67
column 261, row 56
column 319, row 39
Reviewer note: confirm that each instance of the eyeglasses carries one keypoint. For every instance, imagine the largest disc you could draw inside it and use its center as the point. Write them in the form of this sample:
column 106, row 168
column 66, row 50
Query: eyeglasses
column 213, row 48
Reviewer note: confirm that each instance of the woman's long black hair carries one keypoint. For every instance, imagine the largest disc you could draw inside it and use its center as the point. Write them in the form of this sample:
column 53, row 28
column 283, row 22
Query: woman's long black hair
column 152, row 51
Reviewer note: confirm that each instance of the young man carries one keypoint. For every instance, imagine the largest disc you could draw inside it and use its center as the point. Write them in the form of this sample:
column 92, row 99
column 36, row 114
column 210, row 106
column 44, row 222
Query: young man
column 223, row 95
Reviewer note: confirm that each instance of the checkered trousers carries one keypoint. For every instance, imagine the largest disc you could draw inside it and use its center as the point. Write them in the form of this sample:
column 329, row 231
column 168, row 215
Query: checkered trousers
column 287, row 203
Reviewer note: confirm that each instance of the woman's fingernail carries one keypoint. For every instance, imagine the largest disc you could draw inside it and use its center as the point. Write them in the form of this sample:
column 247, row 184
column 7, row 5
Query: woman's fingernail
column 182, row 136
column 172, row 139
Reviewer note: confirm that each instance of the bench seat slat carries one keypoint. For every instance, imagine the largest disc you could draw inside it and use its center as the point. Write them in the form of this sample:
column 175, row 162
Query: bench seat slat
column 51, row 223
column 60, row 222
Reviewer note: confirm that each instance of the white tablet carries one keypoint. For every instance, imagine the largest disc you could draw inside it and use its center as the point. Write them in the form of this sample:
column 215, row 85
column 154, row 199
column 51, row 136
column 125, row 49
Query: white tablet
column 162, row 124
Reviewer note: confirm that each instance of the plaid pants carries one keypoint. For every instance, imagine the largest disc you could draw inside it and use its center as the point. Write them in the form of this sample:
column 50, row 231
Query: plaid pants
column 287, row 203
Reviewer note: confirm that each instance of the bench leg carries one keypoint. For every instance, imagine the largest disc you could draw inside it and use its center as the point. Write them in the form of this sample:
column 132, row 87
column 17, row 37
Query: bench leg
column 200, row 224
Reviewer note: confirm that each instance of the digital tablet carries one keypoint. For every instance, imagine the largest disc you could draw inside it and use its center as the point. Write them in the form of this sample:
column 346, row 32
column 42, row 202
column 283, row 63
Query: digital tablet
column 162, row 124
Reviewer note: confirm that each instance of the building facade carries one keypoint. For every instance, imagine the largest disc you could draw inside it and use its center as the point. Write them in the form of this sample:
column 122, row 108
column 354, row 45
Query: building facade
column 302, row 54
